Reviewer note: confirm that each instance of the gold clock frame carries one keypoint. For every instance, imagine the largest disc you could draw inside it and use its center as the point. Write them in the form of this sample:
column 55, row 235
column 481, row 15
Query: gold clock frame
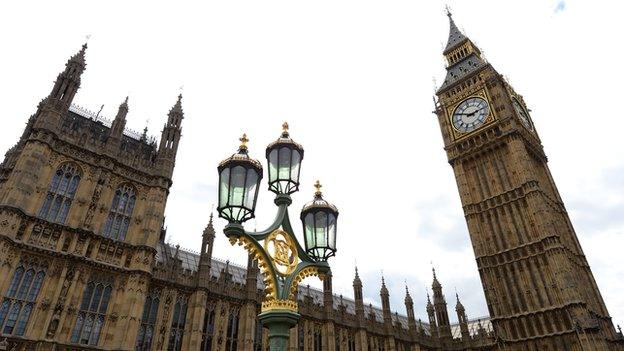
column 515, row 97
column 483, row 94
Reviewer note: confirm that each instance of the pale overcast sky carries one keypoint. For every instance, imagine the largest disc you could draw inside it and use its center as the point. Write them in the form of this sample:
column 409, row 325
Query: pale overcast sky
column 355, row 81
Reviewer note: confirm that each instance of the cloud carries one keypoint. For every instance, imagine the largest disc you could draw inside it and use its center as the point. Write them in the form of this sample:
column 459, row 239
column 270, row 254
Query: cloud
column 561, row 6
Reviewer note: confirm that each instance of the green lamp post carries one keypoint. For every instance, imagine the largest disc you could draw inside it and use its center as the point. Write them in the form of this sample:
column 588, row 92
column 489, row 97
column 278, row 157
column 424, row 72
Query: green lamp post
column 283, row 262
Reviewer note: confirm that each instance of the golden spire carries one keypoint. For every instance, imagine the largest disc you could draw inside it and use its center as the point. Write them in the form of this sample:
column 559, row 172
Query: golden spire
column 243, row 140
column 318, row 187
column 285, row 130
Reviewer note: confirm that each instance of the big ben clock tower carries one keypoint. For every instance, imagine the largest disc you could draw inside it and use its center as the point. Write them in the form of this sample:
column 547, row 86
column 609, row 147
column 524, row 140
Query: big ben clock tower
column 539, row 288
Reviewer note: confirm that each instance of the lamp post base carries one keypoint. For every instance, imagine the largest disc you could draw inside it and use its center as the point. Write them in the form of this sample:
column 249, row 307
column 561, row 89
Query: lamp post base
column 279, row 323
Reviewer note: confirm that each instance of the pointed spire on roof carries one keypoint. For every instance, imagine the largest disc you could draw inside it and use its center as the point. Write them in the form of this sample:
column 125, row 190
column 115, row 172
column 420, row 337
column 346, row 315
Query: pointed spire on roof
column 408, row 297
column 429, row 304
column 79, row 57
column 436, row 284
column 384, row 289
column 209, row 231
column 459, row 307
column 455, row 35
column 357, row 280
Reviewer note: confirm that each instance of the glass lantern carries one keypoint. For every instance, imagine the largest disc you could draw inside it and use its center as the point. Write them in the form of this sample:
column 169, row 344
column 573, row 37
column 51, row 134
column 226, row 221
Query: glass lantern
column 284, row 157
column 239, row 180
column 319, row 227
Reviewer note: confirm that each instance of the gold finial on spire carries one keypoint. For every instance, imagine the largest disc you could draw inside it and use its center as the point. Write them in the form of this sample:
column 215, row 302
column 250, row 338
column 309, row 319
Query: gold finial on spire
column 318, row 187
column 243, row 140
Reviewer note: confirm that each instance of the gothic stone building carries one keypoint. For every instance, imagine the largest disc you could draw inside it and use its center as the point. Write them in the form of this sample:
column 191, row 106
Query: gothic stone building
column 84, row 264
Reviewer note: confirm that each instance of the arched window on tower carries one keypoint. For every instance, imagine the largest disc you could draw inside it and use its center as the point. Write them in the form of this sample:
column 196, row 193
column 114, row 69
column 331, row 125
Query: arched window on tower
column 92, row 312
column 120, row 213
column 258, row 336
column 61, row 193
column 20, row 298
column 148, row 322
column 318, row 338
column 177, row 325
column 231, row 341
column 209, row 324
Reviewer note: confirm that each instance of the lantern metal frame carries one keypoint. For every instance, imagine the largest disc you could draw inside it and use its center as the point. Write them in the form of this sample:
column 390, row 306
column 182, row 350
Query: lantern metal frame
column 284, row 142
column 239, row 159
column 283, row 264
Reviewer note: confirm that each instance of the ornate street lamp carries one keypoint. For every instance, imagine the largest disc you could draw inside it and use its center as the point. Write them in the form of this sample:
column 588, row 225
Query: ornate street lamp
column 282, row 261
column 239, row 180
column 319, row 226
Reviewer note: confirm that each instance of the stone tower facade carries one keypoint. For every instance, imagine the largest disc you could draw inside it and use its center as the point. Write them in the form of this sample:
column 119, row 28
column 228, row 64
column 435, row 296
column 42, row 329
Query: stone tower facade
column 539, row 288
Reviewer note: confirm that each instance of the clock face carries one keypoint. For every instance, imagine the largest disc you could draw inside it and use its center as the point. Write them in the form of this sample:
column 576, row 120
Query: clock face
column 470, row 114
column 523, row 114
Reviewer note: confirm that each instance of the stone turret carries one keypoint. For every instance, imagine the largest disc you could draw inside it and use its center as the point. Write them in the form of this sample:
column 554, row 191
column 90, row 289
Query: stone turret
column 463, row 319
column 205, row 257
column 170, row 139
column 409, row 307
column 439, row 302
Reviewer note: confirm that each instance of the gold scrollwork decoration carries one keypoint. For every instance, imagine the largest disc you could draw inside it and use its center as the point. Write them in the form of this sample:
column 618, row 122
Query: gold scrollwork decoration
column 282, row 251
column 309, row 271
column 269, row 283
column 271, row 305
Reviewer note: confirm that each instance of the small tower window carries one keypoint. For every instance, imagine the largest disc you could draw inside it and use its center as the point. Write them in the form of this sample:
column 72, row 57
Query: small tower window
column 177, row 325
column 92, row 313
column 118, row 220
column 148, row 322
column 20, row 299
column 231, row 341
column 60, row 193
column 209, row 326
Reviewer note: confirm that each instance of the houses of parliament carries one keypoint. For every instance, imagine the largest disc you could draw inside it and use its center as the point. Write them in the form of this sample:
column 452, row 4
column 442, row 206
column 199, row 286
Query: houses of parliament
column 84, row 264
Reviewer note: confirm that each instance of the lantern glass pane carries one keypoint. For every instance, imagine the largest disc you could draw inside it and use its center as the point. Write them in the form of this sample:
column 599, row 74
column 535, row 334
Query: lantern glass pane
column 273, row 165
column 284, row 164
column 252, row 183
column 223, row 187
column 331, row 231
column 237, row 186
column 320, row 225
column 296, row 164
column 308, row 230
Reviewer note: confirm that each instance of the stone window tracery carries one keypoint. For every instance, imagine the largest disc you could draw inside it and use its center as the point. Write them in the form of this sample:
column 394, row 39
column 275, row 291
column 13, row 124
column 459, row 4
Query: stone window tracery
column 92, row 313
column 318, row 338
column 177, row 325
column 19, row 300
column 120, row 214
column 148, row 322
column 61, row 193
column 208, row 329
column 232, row 330
column 258, row 336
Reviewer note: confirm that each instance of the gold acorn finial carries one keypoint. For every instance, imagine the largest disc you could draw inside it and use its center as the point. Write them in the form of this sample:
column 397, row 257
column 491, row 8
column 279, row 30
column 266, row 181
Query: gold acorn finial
column 318, row 187
column 243, row 140
column 285, row 130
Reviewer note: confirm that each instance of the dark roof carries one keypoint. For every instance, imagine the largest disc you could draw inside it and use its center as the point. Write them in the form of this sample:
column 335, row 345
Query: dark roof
column 456, row 37
column 461, row 69
column 190, row 261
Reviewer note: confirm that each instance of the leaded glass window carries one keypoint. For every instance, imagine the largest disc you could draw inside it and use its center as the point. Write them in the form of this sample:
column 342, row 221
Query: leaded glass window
column 148, row 322
column 208, row 330
column 258, row 336
column 318, row 338
column 92, row 312
column 60, row 193
column 19, row 300
column 120, row 214
column 351, row 342
column 232, row 330
column 300, row 337
column 177, row 325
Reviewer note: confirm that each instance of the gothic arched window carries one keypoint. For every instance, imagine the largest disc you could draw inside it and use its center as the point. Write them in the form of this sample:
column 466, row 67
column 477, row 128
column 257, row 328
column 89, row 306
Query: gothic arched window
column 20, row 298
column 177, row 325
column 318, row 338
column 120, row 213
column 232, row 331
column 148, row 322
column 92, row 312
column 208, row 330
column 300, row 337
column 258, row 336
column 61, row 193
